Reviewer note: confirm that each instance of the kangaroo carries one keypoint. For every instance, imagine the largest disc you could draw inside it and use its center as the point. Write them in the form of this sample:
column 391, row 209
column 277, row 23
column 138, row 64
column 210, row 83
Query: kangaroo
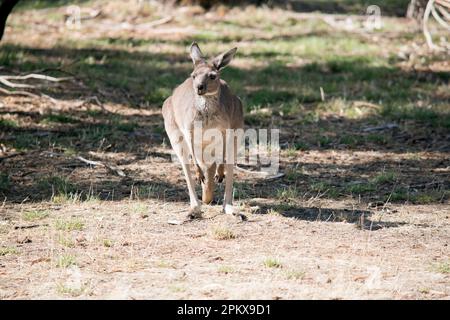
column 206, row 99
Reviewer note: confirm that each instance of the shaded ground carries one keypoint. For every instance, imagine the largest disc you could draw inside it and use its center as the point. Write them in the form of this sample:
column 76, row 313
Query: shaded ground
column 360, row 213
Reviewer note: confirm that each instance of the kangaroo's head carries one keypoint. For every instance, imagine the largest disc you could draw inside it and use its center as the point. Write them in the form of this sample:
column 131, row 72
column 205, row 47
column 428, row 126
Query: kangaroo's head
column 206, row 74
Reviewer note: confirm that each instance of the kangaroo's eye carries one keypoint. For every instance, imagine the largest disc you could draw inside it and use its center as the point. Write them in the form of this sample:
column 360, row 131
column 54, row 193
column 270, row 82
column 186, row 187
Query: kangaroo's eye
column 193, row 76
column 212, row 76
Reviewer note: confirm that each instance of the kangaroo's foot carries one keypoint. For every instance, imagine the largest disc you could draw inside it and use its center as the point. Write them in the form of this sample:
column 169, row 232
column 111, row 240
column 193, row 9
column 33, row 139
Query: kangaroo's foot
column 194, row 213
column 229, row 209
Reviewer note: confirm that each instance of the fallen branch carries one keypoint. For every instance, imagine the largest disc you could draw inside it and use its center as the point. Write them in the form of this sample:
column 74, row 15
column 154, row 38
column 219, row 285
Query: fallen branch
column 14, row 85
column 36, row 76
column 382, row 127
column 5, row 80
column 156, row 22
column 276, row 176
column 92, row 15
column 18, row 93
column 89, row 99
column 12, row 155
column 114, row 169
column 52, row 100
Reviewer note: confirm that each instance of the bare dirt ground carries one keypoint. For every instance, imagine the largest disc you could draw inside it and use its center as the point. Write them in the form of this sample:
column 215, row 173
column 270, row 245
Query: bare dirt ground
column 358, row 214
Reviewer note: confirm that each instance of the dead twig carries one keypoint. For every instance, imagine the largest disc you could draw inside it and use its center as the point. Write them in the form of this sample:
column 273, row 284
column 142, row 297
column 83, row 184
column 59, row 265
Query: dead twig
column 4, row 79
column 29, row 226
column 92, row 15
column 155, row 23
column 14, row 85
column 12, row 155
column 36, row 76
column 18, row 93
column 112, row 168
column 382, row 127
column 89, row 99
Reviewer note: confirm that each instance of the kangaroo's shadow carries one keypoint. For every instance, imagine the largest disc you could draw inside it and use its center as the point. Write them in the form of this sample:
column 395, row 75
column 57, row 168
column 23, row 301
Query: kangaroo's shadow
column 362, row 219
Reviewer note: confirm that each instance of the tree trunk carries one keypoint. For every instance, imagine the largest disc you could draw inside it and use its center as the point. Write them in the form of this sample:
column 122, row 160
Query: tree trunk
column 6, row 7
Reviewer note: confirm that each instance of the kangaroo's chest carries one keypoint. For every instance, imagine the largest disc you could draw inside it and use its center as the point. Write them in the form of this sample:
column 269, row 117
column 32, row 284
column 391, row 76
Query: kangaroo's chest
column 209, row 113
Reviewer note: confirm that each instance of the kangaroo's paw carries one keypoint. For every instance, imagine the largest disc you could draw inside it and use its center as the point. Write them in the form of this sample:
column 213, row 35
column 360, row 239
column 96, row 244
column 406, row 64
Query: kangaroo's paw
column 194, row 213
column 218, row 178
column 229, row 209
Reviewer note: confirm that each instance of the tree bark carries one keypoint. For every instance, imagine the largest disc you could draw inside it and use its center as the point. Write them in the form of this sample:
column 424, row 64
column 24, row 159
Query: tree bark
column 6, row 7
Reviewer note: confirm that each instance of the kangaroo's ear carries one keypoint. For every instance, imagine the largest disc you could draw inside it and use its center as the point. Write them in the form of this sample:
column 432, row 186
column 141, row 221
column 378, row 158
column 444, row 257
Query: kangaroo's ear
column 222, row 60
column 196, row 54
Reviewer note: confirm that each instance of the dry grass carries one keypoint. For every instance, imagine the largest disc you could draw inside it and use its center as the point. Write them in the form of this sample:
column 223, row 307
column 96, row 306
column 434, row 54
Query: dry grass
column 223, row 233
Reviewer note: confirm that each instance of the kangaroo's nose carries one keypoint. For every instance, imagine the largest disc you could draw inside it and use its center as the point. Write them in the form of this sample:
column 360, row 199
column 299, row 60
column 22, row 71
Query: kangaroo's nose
column 201, row 87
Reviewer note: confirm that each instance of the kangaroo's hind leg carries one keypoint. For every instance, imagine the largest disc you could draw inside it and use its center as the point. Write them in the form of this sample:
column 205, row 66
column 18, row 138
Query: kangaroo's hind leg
column 208, row 185
column 181, row 149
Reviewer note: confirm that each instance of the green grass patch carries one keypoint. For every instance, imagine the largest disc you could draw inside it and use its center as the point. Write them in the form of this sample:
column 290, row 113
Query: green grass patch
column 360, row 188
column 34, row 215
column 435, row 115
column 351, row 140
column 25, row 141
column 384, row 178
column 443, row 267
column 65, row 261
column 126, row 126
column 56, row 184
column 67, row 198
column 150, row 191
column 377, row 138
column 242, row 190
column 58, row 118
column 70, row 291
column 108, row 243
column 69, row 225
column 273, row 212
column 426, row 197
column 140, row 208
column 8, row 124
column 4, row 251
column 398, row 196
column 272, row 263
column 66, row 242
column 319, row 186
column 323, row 141
column 225, row 270
column 291, row 152
column 289, row 193
column 293, row 174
